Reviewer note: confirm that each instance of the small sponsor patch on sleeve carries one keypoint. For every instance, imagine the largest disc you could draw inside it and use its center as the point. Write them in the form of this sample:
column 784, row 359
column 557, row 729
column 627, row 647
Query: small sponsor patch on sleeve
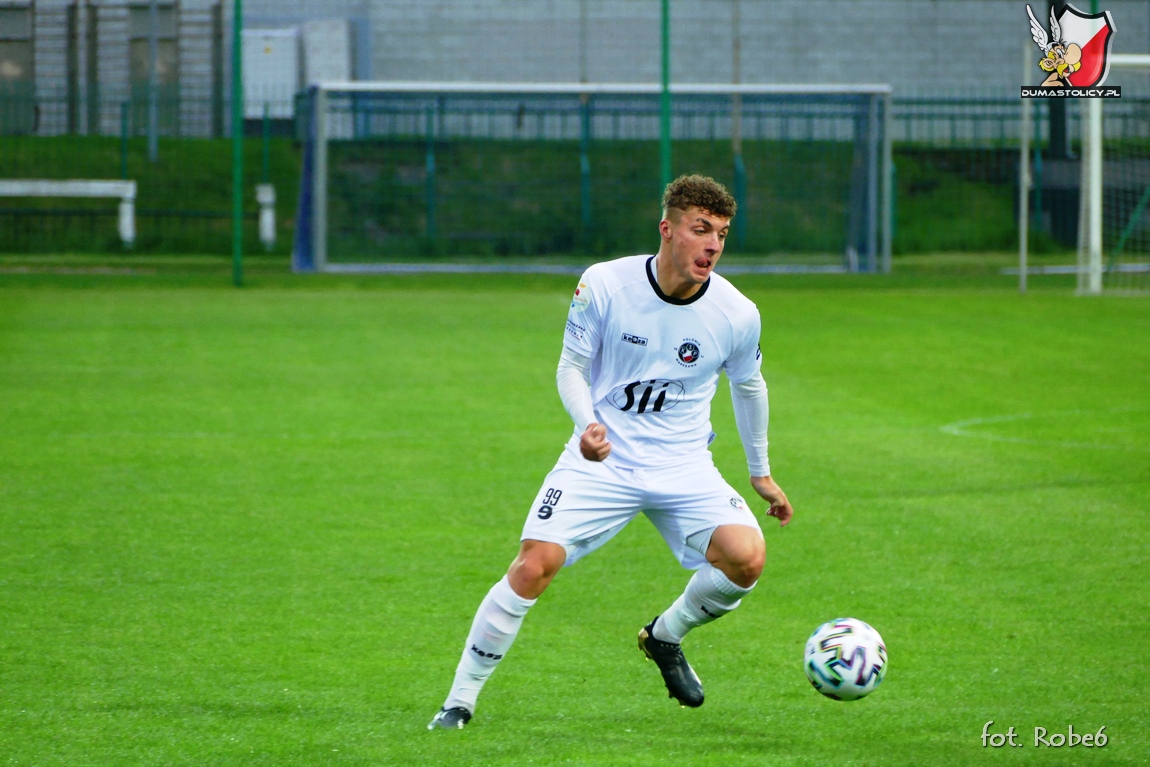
column 575, row 329
column 581, row 298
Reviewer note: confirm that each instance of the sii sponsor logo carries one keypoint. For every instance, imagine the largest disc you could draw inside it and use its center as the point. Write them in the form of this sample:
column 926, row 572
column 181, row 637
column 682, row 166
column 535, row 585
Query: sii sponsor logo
column 651, row 396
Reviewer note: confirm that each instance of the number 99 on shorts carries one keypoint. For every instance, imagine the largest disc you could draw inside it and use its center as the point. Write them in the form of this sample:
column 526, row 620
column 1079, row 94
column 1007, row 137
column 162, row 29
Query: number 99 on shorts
column 550, row 501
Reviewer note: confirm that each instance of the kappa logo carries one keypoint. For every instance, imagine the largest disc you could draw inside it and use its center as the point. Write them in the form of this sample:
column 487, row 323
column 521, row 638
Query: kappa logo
column 482, row 654
column 689, row 352
column 1075, row 53
column 632, row 339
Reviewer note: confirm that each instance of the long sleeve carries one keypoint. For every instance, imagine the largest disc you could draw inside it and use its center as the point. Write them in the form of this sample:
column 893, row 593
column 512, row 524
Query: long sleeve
column 752, row 414
column 573, row 378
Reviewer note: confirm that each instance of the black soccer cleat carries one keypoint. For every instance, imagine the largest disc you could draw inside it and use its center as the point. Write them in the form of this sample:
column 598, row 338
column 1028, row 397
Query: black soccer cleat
column 682, row 682
column 450, row 719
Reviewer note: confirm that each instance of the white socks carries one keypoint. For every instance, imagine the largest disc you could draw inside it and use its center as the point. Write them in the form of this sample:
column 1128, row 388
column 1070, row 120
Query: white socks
column 709, row 595
column 493, row 631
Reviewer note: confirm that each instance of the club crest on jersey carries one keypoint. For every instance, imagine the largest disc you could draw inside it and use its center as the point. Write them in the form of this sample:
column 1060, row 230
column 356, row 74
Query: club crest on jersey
column 689, row 352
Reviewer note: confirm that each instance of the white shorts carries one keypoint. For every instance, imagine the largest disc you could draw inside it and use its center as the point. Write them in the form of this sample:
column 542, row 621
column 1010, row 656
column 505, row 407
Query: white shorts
column 583, row 504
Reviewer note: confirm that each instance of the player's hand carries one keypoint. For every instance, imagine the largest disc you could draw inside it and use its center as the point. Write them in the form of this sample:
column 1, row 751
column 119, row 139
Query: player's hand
column 593, row 444
column 773, row 494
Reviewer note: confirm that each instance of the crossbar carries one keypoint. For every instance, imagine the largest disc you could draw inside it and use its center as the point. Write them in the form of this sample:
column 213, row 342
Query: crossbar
column 1130, row 60
column 625, row 89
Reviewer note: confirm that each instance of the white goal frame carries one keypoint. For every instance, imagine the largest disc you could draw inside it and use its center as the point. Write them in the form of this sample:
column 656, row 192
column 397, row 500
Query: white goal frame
column 880, row 200
column 1089, row 267
column 1090, row 259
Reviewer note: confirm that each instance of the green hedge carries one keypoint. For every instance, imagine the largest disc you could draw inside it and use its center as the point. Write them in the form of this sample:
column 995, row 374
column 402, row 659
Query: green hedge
column 522, row 199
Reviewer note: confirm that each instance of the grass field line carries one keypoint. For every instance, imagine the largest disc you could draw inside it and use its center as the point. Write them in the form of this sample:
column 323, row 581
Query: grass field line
column 1074, row 269
column 71, row 270
column 466, row 268
column 963, row 428
column 225, row 435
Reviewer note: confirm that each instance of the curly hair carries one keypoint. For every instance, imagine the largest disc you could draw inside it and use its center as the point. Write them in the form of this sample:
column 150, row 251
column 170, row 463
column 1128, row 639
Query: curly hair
column 699, row 192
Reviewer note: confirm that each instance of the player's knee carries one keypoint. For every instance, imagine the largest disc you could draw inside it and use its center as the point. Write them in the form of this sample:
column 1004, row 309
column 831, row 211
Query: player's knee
column 750, row 569
column 744, row 570
column 532, row 571
column 740, row 553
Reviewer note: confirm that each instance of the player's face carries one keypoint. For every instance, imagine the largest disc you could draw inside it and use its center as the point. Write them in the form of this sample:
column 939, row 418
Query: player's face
column 697, row 240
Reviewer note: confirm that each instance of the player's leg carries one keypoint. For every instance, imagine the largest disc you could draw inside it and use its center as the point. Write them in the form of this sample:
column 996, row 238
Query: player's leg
column 579, row 508
column 710, row 594
column 495, row 626
column 735, row 556
column 739, row 552
column 709, row 528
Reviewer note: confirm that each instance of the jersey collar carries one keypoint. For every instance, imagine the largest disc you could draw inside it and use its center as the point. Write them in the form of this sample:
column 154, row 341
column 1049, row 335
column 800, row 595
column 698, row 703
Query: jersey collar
column 671, row 299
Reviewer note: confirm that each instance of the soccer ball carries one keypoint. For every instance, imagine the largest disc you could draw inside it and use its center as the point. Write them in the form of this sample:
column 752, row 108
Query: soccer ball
column 845, row 659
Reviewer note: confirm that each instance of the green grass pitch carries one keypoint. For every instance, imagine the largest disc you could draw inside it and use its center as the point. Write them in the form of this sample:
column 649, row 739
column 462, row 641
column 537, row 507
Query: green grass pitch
column 251, row 527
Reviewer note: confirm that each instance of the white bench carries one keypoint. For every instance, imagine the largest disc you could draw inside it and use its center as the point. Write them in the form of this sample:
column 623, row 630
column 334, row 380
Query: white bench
column 124, row 190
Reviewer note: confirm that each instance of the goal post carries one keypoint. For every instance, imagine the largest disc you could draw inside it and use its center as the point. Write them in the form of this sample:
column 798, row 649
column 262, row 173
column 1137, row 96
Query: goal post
column 396, row 172
column 1114, row 200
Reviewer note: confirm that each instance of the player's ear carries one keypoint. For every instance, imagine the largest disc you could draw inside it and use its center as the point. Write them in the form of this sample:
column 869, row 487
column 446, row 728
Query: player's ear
column 665, row 228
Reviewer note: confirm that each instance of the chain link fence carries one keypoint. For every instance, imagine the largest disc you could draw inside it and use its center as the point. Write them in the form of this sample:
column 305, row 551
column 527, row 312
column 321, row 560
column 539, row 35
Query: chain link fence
column 183, row 195
column 955, row 165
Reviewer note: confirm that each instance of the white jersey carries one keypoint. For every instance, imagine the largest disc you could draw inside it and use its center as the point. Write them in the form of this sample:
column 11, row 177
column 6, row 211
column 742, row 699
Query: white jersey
column 656, row 359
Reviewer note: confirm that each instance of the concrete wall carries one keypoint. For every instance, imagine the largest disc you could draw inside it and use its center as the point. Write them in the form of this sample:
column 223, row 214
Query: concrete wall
column 110, row 18
column 916, row 45
column 49, row 51
column 921, row 47
column 112, row 64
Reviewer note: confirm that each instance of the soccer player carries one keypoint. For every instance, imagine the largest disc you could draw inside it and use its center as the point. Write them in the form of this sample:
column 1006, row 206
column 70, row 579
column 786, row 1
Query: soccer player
column 646, row 338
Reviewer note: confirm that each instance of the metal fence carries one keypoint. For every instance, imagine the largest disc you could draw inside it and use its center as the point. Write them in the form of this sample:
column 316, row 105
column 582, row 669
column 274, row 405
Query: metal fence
column 183, row 200
column 955, row 162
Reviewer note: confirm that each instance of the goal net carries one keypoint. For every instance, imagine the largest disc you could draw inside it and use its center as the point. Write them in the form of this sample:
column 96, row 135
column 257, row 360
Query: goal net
column 395, row 173
column 1114, row 218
